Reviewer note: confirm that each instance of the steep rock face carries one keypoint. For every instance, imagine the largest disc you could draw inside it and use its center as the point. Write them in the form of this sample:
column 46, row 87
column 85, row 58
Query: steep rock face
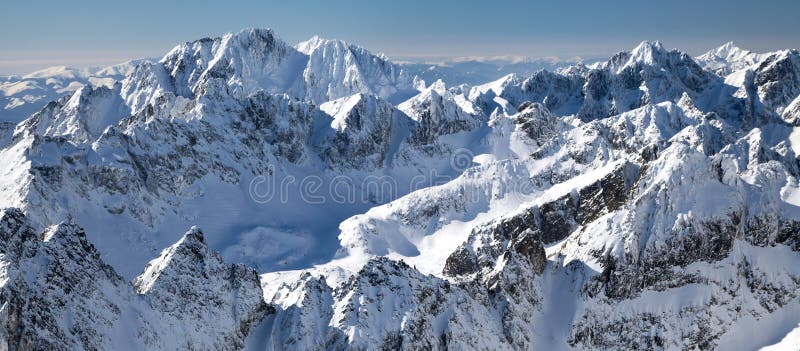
column 57, row 293
column 777, row 79
column 193, row 284
column 141, row 157
column 791, row 114
column 302, row 306
column 337, row 69
column 764, row 91
column 146, row 82
column 438, row 112
column 725, row 297
column 367, row 132
column 699, row 244
column 538, row 123
column 546, row 223
column 390, row 305
column 6, row 131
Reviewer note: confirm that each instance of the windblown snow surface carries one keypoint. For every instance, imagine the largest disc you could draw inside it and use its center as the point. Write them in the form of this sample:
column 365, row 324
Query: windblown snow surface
column 244, row 193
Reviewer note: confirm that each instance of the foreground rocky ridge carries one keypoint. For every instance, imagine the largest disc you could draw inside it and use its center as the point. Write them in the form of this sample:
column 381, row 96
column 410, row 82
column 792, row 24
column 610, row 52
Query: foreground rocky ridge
column 643, row 202
column 58, row 294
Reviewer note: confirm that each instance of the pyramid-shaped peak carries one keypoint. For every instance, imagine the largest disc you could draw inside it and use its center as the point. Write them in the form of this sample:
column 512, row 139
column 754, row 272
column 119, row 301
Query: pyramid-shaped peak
column 648, row 45
column 438, row 86
column 189, row 249
column 194, row 234
column 727, row 46
column 647, row 52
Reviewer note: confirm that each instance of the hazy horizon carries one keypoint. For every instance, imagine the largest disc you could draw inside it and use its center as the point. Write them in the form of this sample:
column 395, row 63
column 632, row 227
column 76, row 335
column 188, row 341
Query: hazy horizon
column 50, row 33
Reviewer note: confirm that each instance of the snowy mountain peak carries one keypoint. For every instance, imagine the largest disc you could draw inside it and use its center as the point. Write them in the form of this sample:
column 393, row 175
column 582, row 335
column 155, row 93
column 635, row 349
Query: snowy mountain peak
column 648, row 46
column 244, row 37
column 728, row 51
column 193, row 238
column 729, row 46
column 337, row 69
column 168, row 265
column 496, row 87
column 728, row 58
column 647, row 52
column 341, row 108
column 258, row 37
column 438, row 86
column 316, row 42
column 194, row 234
column 246, row 61
column 84, row 115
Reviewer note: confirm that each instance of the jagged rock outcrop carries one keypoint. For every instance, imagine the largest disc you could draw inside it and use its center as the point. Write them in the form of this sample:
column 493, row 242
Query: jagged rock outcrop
column 366, row 132
column 440, row 112
column 57, row 293
column 390, row 305
column 777, row 79
column 546, row 223
column 191, row 283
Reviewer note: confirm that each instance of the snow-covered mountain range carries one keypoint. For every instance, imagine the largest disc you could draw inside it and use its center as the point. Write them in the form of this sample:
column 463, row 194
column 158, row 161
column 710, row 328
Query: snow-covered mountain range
column 479, row 70
column 332, row 199
column 21, row 96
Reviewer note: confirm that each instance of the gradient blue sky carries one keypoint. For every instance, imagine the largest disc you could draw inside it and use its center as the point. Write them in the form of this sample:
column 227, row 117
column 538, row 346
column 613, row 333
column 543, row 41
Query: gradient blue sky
column 39, row 33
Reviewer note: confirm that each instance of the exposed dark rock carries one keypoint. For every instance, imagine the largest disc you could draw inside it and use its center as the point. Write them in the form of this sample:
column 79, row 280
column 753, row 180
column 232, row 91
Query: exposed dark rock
column 533, row 250
column 461, row 262
column 606, row 195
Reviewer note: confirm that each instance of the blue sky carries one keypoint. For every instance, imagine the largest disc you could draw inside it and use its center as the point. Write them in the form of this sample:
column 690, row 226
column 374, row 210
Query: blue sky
column 37, row 34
